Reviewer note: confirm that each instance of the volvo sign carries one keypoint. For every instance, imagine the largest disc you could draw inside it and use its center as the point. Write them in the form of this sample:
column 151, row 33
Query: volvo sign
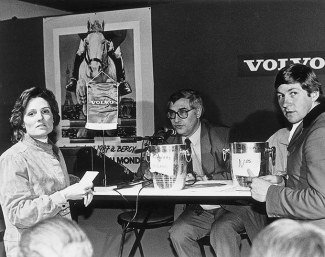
column 270, row 64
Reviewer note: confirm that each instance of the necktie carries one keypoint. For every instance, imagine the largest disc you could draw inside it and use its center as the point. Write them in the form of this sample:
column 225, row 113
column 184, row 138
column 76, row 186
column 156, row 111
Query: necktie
column 195, row 207
column 189, row 158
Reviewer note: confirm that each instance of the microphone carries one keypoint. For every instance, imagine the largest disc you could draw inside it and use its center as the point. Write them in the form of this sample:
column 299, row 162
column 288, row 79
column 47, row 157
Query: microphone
column 162, row 134
column 166, row 133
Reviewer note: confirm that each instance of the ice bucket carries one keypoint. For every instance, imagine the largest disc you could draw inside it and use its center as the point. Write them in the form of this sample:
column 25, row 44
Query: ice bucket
column 168, row 165
column 249, row 159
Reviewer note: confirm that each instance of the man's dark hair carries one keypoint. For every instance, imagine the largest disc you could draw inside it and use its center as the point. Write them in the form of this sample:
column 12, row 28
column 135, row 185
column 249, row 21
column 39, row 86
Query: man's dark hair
column 302, row 74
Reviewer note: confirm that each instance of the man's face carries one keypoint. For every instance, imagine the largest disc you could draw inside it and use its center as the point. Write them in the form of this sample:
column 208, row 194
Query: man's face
column 38, row 118
column 185, row 127
column 295, row 102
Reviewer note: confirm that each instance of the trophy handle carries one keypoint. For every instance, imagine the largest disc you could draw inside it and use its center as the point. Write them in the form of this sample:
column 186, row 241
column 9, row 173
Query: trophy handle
column 225, row 154
column 272, row 151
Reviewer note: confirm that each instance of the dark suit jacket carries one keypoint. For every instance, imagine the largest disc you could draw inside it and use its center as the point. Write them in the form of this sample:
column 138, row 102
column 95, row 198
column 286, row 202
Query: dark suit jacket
column 213, row 141
column 303, row 197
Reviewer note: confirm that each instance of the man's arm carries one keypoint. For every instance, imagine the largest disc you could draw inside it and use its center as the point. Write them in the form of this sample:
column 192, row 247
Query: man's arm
column 304, row 196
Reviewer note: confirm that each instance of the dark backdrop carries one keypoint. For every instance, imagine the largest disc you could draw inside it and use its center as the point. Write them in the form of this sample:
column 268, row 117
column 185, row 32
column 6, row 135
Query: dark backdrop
column 195, row 45
column 21, row 66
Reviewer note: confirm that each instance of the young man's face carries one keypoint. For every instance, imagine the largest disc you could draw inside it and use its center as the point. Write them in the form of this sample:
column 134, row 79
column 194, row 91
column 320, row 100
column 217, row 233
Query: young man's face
column 295, row 102
column 185, row 127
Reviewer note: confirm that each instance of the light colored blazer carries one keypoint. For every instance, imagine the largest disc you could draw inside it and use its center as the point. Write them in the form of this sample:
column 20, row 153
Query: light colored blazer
column 280, row 141
column 31, row 175
column 303, row 197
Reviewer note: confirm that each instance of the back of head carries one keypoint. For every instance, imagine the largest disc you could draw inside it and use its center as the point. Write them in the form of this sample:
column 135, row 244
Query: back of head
column 55, row 237
column 289, row 238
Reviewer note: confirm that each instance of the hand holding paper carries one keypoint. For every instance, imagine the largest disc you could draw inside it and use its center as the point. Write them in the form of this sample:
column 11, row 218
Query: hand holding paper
column 81, row 190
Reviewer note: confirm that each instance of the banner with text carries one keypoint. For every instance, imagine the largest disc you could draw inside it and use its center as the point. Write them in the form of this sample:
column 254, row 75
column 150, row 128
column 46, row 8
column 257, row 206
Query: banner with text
column 269, row 64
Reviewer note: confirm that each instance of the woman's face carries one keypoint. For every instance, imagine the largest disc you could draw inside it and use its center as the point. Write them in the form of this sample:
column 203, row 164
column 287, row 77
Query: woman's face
column 38, row 118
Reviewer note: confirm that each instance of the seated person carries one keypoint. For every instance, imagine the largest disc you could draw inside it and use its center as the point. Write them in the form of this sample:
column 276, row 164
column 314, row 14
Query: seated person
column 302, row 195
column 223, row 223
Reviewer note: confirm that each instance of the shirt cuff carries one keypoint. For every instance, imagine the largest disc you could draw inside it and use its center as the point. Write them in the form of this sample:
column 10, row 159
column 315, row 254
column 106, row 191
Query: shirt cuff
column 59, row 199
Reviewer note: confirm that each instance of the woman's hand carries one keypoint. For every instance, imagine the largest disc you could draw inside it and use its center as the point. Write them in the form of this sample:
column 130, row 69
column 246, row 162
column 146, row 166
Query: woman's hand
column 79, row 191
column 88, row 198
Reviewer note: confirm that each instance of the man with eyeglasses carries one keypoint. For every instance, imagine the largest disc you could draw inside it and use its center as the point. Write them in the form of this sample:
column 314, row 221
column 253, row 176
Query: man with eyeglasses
column 223, row 223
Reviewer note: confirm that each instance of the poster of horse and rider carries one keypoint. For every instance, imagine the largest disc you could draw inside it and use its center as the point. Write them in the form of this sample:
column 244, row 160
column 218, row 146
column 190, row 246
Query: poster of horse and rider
column 99, row 66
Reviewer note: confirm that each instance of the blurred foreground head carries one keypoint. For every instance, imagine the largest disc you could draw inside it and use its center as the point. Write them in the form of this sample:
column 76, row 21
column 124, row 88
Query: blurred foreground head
column 289, row 238
column 55, row 237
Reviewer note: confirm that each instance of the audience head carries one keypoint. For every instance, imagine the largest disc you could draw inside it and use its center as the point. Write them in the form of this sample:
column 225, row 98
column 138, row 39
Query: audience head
column 35, row 98
column 289, row 238
column 55, row 237
column 185, row 109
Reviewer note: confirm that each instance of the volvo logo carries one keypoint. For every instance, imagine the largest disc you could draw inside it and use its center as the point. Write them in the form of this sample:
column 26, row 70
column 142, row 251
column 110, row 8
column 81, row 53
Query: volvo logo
column 269, row 65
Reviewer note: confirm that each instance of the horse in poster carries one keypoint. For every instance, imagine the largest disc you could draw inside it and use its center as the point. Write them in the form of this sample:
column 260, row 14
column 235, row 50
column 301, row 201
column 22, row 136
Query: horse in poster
column 97, row 66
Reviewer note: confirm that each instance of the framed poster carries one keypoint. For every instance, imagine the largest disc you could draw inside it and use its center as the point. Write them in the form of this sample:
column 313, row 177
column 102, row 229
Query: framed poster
column 108, row 54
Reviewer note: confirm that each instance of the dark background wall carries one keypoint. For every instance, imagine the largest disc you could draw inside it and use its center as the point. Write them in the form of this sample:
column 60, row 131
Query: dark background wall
column 195, row 45
column 21, row 66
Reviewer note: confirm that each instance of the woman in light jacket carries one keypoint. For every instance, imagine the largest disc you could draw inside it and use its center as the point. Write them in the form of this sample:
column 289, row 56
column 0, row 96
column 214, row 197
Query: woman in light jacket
column 34, row 183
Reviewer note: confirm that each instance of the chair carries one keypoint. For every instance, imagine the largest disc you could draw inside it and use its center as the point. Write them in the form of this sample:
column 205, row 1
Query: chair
column 206, row 241
column 145, row 219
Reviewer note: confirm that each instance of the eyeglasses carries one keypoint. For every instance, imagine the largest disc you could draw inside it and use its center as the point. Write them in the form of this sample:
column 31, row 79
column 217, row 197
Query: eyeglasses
column 182, row 113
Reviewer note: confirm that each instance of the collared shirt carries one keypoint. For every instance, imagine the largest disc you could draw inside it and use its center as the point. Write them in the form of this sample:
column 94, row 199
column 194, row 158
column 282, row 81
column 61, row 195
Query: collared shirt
column 31, row 175
column 293, row 129
column 197, row 161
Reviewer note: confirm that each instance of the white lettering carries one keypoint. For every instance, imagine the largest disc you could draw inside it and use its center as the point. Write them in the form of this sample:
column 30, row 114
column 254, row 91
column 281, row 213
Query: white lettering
column 306, row 60
column 273, row 63
column 314, row 61
column 102, row 102
column 295, row 60
column 251, row 66
column 282, row 63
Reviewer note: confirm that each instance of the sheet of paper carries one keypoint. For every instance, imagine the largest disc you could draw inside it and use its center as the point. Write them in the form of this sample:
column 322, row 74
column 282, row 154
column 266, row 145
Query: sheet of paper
column 241, row 162
column 89, row 176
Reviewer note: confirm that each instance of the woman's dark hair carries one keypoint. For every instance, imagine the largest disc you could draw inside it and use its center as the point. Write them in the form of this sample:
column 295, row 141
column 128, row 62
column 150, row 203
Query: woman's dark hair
column 17, row 113
column 302, row 74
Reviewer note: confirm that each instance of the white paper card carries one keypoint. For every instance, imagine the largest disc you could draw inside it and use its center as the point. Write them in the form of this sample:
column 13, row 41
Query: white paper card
column 162, row 162
column 241, row 162
column 89, row 176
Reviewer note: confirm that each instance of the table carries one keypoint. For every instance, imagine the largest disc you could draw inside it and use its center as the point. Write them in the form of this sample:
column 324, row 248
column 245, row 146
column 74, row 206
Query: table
column 207, row 192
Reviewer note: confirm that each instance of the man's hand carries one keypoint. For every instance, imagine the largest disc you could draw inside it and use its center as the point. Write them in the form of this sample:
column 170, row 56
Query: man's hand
column 259, row 187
